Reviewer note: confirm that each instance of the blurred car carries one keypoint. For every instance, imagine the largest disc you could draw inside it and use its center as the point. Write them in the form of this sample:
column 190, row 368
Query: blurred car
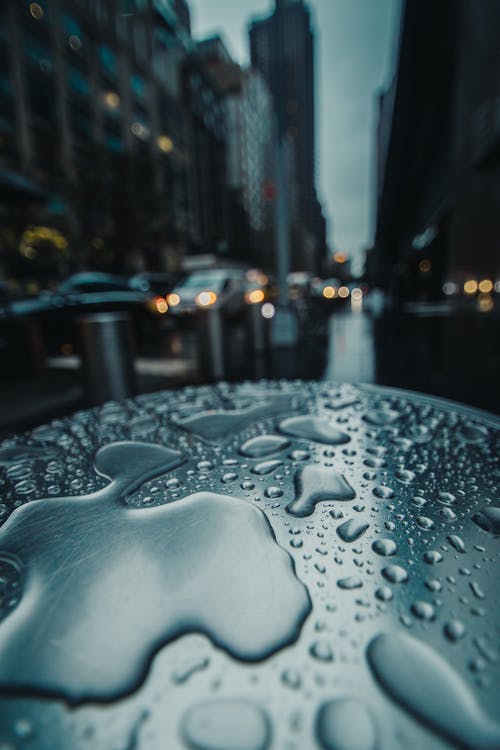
column 214, row 287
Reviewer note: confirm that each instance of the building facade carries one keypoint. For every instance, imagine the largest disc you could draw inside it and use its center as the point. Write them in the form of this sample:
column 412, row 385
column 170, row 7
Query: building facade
column 282, row 49
column 249, row 143
column 104, row 109
column 438, row 191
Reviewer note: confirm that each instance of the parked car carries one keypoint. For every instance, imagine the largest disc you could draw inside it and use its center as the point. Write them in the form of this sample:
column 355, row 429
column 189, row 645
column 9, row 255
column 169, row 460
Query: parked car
column 215, row 287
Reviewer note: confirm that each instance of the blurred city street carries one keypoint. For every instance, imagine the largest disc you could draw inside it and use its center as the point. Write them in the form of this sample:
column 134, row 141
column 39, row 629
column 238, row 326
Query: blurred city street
column 448, row 355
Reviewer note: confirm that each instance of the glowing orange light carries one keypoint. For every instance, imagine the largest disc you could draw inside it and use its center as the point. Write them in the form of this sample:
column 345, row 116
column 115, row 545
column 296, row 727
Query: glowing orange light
column 161, row 305
column 173, row 299
column 111, row 99
column 470, row 286
column 36, row 11
column 339, row 258
column 205, row 299
column 255, row 296
column 165, row 144
column 425, row 266
column 343, row 292
column 486, row 286
column 329, row 292
column 485, row 302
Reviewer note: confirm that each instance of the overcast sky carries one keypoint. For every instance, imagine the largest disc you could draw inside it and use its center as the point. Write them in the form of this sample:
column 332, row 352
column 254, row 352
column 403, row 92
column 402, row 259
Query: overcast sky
column 355, row 48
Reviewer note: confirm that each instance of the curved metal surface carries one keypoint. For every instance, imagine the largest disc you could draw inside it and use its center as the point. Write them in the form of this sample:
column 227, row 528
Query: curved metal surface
column 264, row 565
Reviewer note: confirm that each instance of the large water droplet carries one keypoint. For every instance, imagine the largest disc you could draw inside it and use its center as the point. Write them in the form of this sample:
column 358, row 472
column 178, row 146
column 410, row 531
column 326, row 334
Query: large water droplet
column 266, row 467
column 423, row 683
column 314, row 484
column 471, row 433
column 423, row 610
column 488, row 519
column 457, row 543
column 454, row 630
column 381, row 417
column 232, row 583
column 349, row 583
column 263, row 445
column 345, row 724
column 226, row 725
column 351, row 530
column 313, row 428
column 432, row 556
column 385, row 547
column 383, row 492
column 395, row 574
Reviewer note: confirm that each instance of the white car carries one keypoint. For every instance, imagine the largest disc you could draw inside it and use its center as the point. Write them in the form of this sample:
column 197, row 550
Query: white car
column 213, row 287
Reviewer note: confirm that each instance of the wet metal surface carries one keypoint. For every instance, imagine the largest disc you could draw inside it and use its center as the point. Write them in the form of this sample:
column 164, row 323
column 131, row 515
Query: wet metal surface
column 265, row 565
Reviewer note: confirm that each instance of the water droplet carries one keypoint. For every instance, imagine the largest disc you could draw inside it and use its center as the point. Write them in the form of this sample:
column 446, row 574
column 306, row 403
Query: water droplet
column 299, row 455
column 385, row 547
column 448, row 514
column 345, row 724
column 433, row 584
column 422, row 682
column 247, row 485
column 395, row 574
column 226, row 725
column 471, row 433
column 273, row 492
column 351, row 530
column 454, row 630
column 23, row 728
column 314, row 484
column 168, row 599
column 291, row 678
column 349, row 583
column 404, row 475
column 423, row 610
column 321, row 651
column 297, row 543
column 446, row 498
column 457, row 543
column 263, row 445
column 383, row 492
column 381, row 417
column 425, row 523
column 229, row 477
column 313, row 428
column 432, row 556
column 266, row 467
column 384, row 593
column 488, row 519
column 476, row 590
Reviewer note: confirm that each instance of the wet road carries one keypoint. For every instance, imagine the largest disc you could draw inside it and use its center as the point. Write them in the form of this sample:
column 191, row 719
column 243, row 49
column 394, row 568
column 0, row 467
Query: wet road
column 452, row 356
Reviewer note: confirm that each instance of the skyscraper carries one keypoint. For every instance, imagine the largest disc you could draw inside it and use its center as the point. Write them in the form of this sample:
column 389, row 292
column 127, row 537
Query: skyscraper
column 282, row 49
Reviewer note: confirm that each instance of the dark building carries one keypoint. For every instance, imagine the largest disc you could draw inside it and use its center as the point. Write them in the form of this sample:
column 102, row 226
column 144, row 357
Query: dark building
column 438, row 171
column 249, row 121
column 282, row 49
column 117, row 134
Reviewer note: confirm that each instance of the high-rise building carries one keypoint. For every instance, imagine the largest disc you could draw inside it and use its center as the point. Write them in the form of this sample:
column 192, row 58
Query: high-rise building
column 438, row 201
column 249, row 145
column 106, row 114
column 282, row 49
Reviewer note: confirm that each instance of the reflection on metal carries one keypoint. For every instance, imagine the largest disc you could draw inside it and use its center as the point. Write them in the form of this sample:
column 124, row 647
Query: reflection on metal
column 293, row 606
column 211, row 344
